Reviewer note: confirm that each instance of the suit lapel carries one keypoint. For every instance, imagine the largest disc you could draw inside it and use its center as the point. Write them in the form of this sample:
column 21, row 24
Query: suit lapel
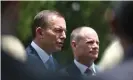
column 57, row 66
column 73, row 70
column 32, row 52
column 32, row 55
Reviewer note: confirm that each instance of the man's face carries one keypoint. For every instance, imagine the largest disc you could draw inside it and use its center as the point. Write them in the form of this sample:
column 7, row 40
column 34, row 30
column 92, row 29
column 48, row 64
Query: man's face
column 55, row 34
column 88, row 47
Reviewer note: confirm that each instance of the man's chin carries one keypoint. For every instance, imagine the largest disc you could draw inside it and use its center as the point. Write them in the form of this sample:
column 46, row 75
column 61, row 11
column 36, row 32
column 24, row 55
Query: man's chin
column 58, row 48
column 94, row 57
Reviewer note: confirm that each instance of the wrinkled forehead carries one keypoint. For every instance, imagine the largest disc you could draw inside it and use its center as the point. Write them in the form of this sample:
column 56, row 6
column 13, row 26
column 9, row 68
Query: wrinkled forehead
column 57, row 21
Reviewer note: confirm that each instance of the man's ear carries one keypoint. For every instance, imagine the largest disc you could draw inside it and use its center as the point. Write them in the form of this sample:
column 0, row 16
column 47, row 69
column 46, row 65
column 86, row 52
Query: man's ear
column 73, row 44
column 39, row 32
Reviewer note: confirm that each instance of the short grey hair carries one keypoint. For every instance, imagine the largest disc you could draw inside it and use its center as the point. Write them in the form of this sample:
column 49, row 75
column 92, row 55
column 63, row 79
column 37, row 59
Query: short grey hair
column 76, row 33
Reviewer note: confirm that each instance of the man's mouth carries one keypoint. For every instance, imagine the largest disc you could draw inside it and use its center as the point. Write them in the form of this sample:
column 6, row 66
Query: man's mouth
column 60, row 44
column 94, row 52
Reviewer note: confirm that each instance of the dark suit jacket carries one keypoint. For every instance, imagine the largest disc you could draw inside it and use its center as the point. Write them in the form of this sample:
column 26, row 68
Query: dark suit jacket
column 72, row 70
column 12, row 69
column 35, row 62
column 123, row 71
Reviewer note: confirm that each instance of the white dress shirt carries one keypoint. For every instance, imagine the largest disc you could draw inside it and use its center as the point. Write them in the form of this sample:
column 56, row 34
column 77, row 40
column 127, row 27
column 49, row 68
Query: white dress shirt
column 83, row 68
column 42, row 54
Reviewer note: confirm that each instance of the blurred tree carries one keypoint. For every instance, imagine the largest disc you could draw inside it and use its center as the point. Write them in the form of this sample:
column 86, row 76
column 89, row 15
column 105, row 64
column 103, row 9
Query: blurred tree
column 77, row 13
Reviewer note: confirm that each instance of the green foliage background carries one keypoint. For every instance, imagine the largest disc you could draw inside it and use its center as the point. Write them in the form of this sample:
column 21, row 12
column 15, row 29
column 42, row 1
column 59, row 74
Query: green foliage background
column 89, row 13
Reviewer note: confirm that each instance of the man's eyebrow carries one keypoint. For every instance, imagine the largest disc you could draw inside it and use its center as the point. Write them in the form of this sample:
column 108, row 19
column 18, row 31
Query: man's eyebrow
column 61, row 28
column 89, row 40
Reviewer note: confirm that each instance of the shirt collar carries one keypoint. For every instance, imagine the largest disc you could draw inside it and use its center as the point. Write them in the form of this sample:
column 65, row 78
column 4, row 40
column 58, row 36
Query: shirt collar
column 83, row 68
column 42, row 54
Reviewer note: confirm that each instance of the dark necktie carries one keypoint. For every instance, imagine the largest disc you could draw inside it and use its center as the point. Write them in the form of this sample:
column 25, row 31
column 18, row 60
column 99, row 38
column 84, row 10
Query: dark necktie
column 88, row 72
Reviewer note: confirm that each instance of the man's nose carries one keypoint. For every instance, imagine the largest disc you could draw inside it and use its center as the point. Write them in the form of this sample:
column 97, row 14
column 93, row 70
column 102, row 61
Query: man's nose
column 63, row 36
column 95, row 45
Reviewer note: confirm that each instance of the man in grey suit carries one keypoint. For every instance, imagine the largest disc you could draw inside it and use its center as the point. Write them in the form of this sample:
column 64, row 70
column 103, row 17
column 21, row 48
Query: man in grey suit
column 48, row 31
column 121, row 22
column 85, row 45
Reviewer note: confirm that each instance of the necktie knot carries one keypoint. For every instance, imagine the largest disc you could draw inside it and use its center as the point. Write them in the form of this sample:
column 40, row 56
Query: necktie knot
column 88, row 72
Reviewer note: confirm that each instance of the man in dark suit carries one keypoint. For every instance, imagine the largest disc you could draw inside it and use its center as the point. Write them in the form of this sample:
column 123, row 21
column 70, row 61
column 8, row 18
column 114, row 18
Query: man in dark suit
column 121, row 22
column 85, row 46
column 48, row 37
column 13, row 54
